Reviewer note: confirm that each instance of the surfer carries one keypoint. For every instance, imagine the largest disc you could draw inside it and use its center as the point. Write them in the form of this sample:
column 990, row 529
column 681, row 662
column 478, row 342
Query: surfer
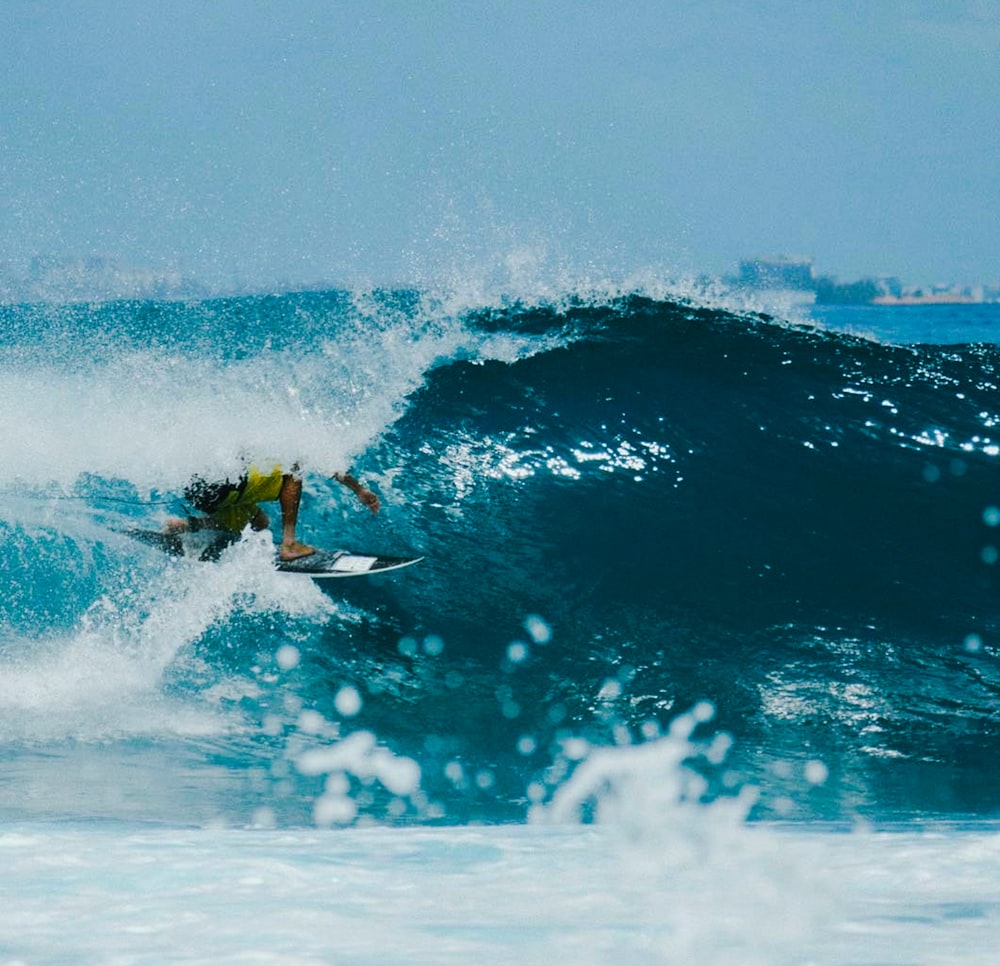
column 234, row 506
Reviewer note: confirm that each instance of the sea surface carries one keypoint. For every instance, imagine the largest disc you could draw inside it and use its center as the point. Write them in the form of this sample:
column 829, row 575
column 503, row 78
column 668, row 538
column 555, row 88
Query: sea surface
column 700, row 665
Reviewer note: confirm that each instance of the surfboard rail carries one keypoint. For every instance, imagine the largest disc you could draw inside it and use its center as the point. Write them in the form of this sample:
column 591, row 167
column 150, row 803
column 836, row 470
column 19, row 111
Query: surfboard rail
column 208, row 545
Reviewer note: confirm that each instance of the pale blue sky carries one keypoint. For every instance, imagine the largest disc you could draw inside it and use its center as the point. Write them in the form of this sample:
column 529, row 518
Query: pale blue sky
column 393, row 141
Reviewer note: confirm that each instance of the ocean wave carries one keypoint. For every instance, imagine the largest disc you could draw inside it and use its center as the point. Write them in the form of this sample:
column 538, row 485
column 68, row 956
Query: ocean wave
column 626, row 505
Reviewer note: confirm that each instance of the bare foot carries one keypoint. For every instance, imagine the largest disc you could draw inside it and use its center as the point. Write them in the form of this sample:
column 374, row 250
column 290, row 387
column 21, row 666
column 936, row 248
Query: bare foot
column 295, row 550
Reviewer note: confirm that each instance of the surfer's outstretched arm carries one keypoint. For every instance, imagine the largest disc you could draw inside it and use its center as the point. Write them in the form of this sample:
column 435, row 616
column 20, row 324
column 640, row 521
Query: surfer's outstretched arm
column 362, row 492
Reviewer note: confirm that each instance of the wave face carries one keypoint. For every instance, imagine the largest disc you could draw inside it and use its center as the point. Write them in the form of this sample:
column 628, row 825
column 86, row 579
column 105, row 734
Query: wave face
column 626, row 506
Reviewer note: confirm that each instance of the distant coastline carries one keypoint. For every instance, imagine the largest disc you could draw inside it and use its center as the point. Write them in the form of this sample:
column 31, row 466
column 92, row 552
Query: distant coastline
column 92, row 278
column 796, row 274
column 95, row 278
column 933, row 298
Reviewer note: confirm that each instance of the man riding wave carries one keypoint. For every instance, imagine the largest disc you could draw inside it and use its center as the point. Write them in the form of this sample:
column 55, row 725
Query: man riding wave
column 234, row 506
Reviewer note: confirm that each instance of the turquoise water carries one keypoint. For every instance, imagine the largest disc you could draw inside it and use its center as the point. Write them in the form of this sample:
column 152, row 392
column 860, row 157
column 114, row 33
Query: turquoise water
column 699, row 667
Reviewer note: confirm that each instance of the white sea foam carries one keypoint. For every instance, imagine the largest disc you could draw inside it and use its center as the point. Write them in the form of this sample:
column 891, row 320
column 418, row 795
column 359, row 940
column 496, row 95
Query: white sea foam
column 104, row 677
column 509, row 894
column 155, row 415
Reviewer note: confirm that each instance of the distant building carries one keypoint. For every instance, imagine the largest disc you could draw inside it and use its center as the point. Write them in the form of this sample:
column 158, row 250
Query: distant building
column 831, row 292
column 793, row 274
column 781, row 272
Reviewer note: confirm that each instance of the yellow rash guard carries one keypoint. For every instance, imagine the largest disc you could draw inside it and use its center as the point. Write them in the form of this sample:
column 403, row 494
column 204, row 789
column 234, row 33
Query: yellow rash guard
column 239, row 506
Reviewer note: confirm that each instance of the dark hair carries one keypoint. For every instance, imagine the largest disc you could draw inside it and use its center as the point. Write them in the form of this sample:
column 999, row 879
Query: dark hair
column 208, row 497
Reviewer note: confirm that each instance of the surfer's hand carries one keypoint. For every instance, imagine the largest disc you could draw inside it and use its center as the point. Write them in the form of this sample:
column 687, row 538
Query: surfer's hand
column 362, row 492
column 369, row 499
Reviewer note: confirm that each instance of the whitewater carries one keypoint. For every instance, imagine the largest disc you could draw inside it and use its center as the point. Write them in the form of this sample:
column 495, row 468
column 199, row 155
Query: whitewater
column 699, row 665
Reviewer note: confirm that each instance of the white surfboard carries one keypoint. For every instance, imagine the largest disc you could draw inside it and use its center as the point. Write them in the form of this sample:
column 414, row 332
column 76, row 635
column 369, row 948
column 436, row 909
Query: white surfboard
column 343, row 563
column 323, row 564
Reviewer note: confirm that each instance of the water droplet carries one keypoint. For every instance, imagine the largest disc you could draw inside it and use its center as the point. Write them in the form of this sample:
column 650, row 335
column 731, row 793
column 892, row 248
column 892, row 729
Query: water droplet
column 348, row 701
column 816, row 772
column 538, row 629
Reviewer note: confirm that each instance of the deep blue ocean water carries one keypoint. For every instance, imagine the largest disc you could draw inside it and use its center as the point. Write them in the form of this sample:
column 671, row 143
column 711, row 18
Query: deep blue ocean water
column 723, row 581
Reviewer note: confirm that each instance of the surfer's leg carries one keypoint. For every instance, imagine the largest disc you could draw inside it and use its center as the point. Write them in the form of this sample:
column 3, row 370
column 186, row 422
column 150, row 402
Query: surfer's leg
column 291, row 494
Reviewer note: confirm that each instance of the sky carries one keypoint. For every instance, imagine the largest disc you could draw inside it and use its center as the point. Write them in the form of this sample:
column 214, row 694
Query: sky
column 257, row 143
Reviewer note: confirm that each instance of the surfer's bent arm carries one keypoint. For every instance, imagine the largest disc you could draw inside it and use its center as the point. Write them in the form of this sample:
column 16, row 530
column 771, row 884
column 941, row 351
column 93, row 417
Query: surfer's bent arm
column 362, row 492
